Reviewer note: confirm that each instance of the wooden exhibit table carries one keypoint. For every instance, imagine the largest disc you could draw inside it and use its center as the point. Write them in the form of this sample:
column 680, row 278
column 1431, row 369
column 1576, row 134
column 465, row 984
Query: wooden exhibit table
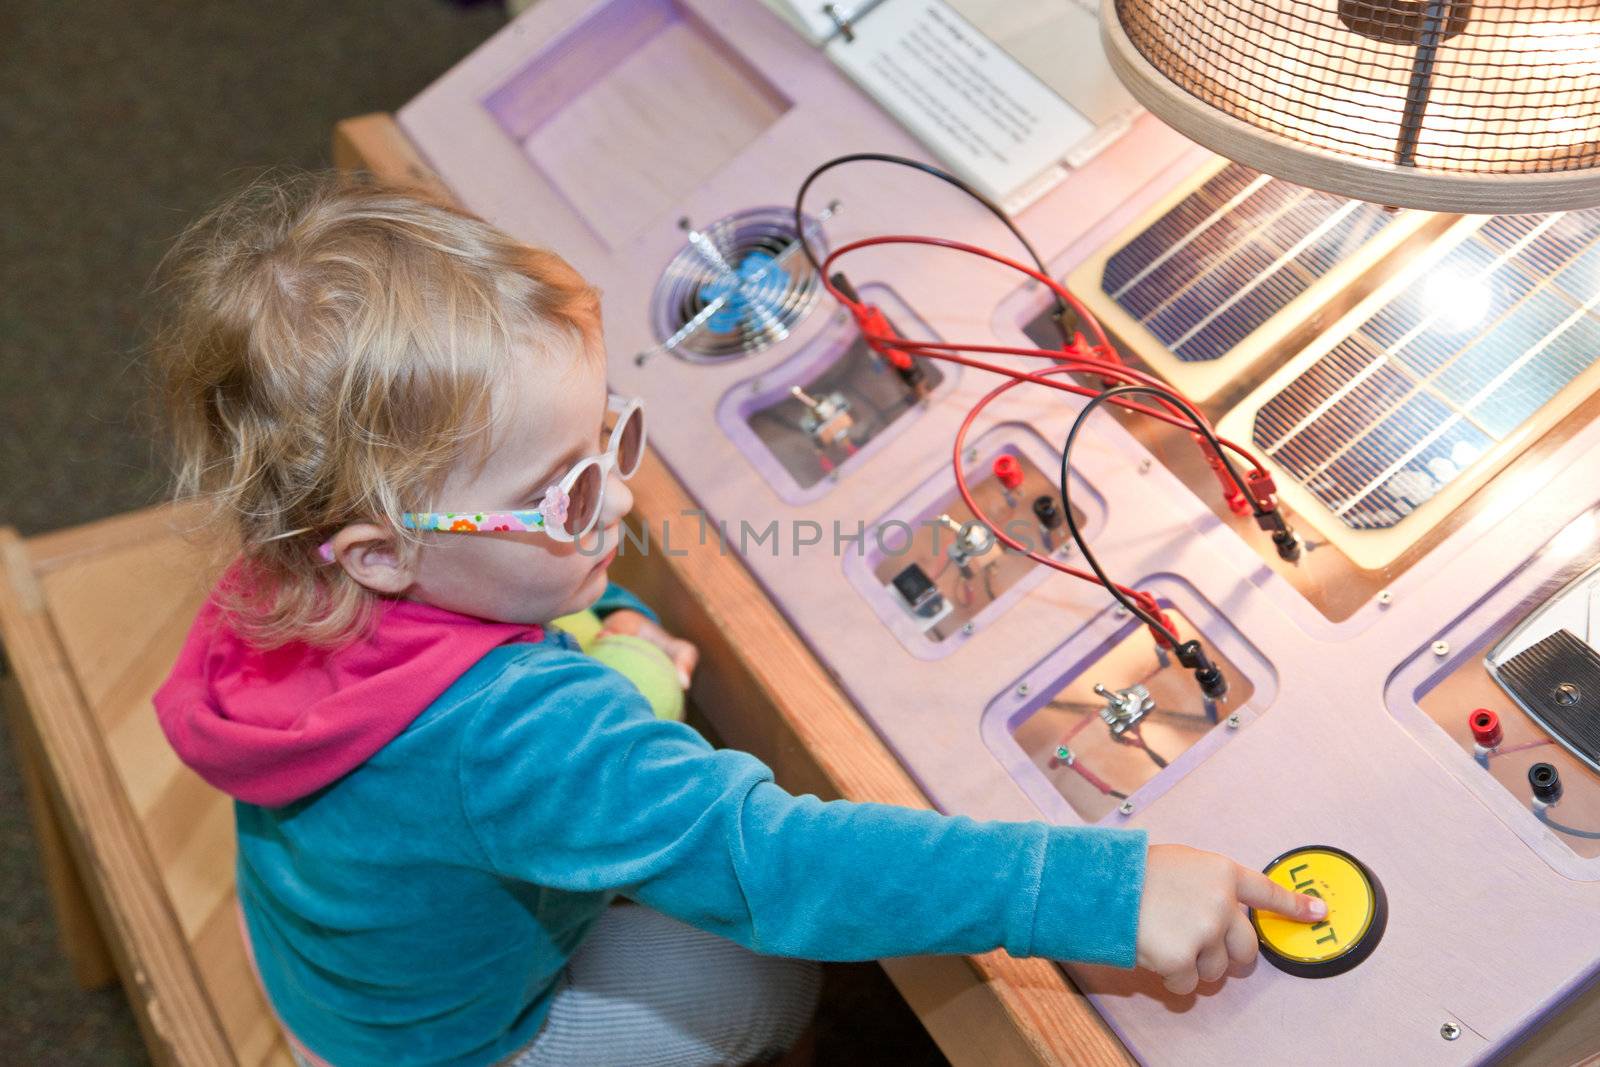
column 138, row 851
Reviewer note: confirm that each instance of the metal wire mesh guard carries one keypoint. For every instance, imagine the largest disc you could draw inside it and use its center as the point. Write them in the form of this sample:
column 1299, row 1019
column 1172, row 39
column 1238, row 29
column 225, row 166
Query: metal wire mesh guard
column 1465, row 105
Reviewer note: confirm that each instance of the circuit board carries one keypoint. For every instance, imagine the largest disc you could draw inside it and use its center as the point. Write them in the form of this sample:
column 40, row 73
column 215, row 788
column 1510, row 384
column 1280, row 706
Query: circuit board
column 1355, row 674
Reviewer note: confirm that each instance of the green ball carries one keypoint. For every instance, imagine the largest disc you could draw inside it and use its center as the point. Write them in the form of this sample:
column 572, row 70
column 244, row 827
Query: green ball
column 584, row 626
column 650, row 670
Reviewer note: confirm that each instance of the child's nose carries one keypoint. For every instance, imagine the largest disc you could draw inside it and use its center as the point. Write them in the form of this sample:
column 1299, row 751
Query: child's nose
column 618, row 502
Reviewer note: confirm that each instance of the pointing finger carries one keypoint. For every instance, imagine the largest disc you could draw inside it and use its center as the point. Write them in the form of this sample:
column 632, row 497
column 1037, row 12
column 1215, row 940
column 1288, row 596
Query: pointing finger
column 1258, row 891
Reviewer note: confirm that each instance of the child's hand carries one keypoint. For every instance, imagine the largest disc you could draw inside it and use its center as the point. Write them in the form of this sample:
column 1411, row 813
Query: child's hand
column 684, row 656
column 1190, row 924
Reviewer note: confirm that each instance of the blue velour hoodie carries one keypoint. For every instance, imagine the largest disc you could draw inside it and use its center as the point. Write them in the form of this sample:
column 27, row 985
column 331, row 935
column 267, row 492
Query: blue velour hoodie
column 420, row 909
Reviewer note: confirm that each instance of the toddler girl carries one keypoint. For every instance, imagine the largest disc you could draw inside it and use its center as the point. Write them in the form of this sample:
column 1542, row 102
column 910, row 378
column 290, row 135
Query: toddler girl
column 401, row 413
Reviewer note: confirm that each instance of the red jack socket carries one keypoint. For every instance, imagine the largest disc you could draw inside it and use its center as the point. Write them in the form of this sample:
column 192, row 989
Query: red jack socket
column 1485, row 727
column 1009, row 471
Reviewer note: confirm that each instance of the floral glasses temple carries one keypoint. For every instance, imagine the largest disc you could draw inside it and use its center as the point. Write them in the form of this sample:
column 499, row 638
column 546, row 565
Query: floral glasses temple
column 571, row 506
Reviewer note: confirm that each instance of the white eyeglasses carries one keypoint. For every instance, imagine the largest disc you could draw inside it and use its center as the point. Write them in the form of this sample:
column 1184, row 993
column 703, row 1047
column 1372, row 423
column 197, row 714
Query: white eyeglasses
column 571, row 506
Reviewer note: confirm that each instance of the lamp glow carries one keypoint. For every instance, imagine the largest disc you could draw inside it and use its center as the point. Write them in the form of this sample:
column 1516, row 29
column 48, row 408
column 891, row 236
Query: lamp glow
column 1455, row 302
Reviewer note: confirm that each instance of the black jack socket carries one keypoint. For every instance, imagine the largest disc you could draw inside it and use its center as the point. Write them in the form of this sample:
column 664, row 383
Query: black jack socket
column 1545, row 781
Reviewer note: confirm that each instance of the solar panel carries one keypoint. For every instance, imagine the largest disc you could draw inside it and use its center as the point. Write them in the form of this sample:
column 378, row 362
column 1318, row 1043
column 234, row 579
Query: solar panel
column 1212, row 278
column 1412, row 400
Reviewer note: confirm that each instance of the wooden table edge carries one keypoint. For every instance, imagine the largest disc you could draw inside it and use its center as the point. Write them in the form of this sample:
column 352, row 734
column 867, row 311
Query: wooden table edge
column 819, row 742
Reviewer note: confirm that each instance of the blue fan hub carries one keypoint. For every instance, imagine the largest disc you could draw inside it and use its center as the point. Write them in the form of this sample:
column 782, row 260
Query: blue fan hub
column 754, row 289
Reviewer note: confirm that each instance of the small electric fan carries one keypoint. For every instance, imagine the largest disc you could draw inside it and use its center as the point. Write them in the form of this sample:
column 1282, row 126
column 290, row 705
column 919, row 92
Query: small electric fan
column 1471, row 106
column 738, row 286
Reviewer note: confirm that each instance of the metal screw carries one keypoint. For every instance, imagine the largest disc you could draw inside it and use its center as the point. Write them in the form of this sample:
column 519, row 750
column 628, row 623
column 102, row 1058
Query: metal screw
column 841, row 318
column 1449, row 1031
column 1120, row 612
column 1385, row 597
column 972, row 455
column 1441, row 648
column 968, row 628
column 1567, row 694
column 833, row 476
column 1023, row 689
column 1126, row 807
column 1144, row 466
column 1233, row 722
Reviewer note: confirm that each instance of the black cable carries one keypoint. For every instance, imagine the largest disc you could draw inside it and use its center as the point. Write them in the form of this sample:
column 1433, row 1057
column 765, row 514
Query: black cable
column 1148, row 751
column 1270, row 519
column 1063, row 313
column 1072, row 523
column 1201, row 427
column 1543, row 815
column 1210, row 678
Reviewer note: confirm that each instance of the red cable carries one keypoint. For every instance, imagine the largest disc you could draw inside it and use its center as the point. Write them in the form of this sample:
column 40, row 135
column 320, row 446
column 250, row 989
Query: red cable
column 1144, row 599
column 957, row 246
column 867, row 317
column 935, row 350
column 1092, row 778
column 875, row 330
column 1074, row 364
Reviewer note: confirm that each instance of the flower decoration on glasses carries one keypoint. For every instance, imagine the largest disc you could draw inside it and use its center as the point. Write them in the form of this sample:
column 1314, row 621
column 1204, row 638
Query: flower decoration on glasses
column 552, row 510
column 569, row 508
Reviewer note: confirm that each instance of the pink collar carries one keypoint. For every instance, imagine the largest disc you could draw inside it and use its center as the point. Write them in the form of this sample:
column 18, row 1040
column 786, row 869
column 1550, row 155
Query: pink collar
column 271, row 727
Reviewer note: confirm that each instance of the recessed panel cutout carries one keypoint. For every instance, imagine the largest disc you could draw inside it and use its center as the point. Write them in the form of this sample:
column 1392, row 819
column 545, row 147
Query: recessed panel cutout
column 935, row 576
column 1504, row 697
column 814, row 419
column 636, row 107
column 1108, row 721
column 1122, row 719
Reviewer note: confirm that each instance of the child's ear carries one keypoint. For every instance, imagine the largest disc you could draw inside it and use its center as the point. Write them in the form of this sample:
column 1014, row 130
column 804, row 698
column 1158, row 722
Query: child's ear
column 369, row 554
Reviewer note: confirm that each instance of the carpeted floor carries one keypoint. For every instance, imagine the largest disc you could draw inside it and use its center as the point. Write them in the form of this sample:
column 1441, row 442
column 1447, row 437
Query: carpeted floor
column 119, row 122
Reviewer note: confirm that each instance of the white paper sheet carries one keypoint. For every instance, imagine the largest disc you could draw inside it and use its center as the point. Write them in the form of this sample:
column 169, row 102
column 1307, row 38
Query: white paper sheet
column 975, row 107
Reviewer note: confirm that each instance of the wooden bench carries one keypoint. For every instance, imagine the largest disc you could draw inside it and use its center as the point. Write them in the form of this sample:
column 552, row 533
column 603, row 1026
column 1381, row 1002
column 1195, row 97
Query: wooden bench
column 137, row 850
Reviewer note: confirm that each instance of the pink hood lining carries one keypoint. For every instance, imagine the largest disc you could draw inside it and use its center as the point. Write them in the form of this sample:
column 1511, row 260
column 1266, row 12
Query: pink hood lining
column 273, row 726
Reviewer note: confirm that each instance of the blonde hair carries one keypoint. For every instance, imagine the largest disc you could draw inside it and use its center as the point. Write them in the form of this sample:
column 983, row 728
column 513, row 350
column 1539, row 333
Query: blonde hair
column 329, row 359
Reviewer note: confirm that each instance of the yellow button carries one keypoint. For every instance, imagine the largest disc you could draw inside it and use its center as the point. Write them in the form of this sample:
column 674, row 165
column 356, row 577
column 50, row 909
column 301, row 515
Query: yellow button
column 1357, row 913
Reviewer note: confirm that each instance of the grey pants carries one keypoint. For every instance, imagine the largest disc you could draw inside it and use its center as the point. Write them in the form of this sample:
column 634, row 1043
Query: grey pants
column 644, row 990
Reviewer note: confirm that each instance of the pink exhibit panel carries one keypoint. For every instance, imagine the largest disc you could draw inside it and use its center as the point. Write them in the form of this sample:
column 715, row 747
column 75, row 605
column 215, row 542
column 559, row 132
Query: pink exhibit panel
column 1419, row 387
